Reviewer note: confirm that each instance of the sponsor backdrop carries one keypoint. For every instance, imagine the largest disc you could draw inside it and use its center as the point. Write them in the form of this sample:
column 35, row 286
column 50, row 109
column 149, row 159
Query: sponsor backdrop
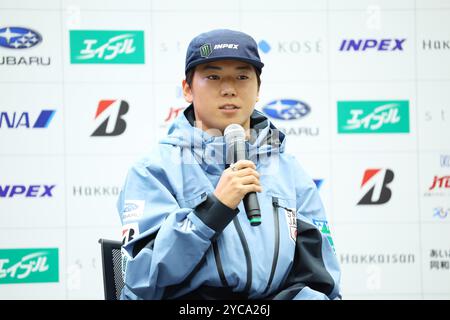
column 361, row 88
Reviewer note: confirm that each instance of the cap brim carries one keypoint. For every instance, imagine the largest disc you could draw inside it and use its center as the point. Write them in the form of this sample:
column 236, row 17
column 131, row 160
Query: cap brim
column 257, row 64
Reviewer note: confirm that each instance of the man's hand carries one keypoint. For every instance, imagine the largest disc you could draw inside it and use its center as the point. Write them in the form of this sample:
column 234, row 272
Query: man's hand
column 236, row 181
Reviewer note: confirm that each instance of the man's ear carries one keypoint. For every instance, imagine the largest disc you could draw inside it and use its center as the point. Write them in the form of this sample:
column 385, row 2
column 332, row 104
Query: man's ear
column 187, row 92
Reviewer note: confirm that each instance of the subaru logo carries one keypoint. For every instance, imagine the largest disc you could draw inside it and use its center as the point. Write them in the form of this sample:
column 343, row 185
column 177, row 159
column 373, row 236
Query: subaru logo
column 130, row 207
column 286, row 109
column 19, row 38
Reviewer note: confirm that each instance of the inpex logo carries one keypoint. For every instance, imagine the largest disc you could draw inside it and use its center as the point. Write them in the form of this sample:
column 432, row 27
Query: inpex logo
column 100, row 46
column 286, row 109
column 375, row 186
column 226, row 45
column 373, row 116
column 372, row 45
column 19, row 38
column 31, row 191
column 109, row 115
column 17, row 120
column 29, row 265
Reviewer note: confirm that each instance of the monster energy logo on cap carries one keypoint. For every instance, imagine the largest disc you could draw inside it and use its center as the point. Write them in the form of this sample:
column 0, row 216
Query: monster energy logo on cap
column 205, row 50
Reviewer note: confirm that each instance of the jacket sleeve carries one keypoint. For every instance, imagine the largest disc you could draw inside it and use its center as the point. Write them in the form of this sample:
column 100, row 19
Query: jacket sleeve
column 170, row 240
column 315, row 273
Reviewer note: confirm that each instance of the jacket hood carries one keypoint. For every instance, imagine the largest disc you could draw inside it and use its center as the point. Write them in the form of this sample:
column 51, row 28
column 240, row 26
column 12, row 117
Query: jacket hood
column 210, row 151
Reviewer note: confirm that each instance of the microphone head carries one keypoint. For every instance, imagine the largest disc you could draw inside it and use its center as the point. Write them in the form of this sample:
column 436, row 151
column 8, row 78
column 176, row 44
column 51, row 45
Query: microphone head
column 234, row 132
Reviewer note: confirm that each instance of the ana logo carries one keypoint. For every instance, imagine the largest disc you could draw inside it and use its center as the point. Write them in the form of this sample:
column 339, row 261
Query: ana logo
column 372, row 45
column 318, row 182
column 99, row 46
column 205, row 50
column 110, row 116
column 373, row 116
column 29, row 265
column 15, row 120
column 286, row 109
column 322, row 225
column 376, row 180
column 129, row 232
column 440, row 183
column 19, row 38
column 32, row 191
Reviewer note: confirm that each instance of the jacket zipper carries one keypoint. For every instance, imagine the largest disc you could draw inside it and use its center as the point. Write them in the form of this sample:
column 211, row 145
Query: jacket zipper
column 276, row 248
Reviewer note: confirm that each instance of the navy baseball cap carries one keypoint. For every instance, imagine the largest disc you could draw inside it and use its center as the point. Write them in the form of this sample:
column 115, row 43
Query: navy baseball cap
column 222, row 44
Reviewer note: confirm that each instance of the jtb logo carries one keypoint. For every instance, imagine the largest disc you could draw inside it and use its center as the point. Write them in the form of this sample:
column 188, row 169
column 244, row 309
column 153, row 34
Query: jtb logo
column 15, row 120
column 372, row 44
column 32, row 191
column 29, row 265
column 377, row 180
column 440, row 183
column 373, row 116
column 109, row 114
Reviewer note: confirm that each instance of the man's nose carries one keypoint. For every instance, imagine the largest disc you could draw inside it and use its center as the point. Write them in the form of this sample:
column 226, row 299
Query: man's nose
column 228, row 89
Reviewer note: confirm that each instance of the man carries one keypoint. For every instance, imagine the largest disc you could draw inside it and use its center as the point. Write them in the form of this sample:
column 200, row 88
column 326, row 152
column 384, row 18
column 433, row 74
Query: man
column 192, row 238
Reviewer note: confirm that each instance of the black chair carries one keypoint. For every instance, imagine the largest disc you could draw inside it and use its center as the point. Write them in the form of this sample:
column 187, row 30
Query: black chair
column 112, row 268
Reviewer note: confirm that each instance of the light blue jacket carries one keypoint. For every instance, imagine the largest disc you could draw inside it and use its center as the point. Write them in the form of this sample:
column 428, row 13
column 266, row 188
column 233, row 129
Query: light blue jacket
column 184, row 243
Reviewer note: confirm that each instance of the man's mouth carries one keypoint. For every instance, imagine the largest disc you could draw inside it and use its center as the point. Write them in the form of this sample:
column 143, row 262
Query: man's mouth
column 229, row 107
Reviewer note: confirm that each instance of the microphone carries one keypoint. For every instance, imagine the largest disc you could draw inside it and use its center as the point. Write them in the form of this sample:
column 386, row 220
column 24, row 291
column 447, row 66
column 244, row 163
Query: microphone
column 235, row 140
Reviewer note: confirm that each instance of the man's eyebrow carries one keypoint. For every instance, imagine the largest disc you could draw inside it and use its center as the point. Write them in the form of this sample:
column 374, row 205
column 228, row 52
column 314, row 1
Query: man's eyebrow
column 212, row 67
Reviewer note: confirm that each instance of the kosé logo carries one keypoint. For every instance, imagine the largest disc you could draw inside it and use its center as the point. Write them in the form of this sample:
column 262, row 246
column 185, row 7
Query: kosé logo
column 375, row 186
column 109, row 115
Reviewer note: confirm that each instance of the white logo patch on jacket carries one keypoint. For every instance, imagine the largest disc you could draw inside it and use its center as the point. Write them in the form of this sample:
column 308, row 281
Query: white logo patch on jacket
column 291, row 219
column 133, row 209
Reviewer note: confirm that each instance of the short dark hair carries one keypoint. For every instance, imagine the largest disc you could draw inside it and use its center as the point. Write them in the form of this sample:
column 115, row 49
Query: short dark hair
column 190, row 76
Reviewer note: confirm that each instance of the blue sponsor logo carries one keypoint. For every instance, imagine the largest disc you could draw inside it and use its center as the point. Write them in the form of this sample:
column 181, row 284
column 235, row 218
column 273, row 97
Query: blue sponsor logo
column 130, row 207
column 286, row 109
column 32, row 191
column 264, row 46
column 318, row 182
column 441, row 212
column 15, row 120
column 372, row 45
column 19, row 38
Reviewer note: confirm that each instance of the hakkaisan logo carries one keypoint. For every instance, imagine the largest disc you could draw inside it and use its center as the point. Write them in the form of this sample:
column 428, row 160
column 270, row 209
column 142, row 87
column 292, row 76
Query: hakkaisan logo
column 100, row 46
column 373, row 116
column 29, row 265
column 109, row 115
column 375, row 186
column 31, row 191
column 19, row 120
column 372, row 45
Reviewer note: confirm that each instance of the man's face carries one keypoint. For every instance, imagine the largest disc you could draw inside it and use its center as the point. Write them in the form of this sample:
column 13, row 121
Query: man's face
column 223, row 92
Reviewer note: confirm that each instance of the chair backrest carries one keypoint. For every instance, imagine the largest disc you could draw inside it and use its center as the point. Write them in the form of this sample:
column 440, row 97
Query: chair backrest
column 112, row 268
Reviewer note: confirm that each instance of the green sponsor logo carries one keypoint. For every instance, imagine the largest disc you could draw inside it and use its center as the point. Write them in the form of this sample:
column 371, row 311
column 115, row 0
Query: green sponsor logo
column 205, row 50
column 322, row 225
column 29, row 265
column 97, row 46
column 373, row 116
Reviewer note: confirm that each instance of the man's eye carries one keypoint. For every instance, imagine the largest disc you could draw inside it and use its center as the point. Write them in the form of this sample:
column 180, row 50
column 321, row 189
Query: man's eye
column 242, row 77
column 212, row 77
